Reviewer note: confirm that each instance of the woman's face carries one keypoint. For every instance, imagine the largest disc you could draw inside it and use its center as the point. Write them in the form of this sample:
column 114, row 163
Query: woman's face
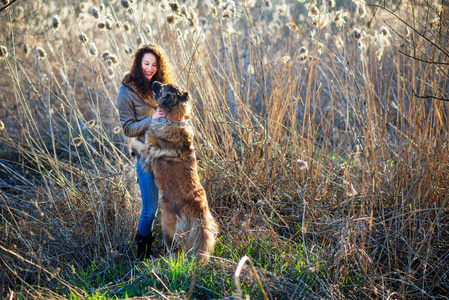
column 149, row 65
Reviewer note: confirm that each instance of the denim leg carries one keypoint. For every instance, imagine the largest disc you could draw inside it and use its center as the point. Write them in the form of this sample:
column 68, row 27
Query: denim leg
column 149, row 192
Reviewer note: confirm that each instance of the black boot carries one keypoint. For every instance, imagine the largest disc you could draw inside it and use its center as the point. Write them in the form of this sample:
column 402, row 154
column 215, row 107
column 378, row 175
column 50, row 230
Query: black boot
column 144, row 246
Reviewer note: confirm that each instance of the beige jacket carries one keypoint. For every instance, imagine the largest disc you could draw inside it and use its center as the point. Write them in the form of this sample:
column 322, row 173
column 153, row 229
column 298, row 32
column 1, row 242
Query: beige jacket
column 135, row 113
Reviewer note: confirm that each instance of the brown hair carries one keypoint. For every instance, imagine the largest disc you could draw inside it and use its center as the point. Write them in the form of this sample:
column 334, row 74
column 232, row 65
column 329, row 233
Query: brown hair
column 136, row 79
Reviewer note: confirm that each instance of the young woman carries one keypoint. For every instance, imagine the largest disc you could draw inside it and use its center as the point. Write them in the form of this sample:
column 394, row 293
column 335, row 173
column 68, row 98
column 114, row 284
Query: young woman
column 137, row 108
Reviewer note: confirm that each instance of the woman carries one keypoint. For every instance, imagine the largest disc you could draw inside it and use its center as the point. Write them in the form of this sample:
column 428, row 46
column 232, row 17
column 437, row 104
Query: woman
column 137, row 109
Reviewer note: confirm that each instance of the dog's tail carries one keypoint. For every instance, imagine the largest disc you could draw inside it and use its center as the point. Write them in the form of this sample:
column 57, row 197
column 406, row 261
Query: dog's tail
column 197, row 235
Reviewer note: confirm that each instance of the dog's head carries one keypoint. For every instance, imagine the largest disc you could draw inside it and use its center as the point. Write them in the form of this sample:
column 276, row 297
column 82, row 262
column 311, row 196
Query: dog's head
column 172, row 100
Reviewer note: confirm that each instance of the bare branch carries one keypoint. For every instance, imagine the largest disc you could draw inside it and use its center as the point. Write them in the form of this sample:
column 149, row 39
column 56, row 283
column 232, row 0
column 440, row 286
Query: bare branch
column 6, row 6
column 430, row 97
column 423, row 60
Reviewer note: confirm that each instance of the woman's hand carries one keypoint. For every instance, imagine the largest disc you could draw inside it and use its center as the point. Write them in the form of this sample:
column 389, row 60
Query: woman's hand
column 158, row 114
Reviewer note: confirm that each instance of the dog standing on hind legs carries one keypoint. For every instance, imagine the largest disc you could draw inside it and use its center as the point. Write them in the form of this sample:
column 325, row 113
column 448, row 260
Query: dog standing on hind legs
column 186, row 220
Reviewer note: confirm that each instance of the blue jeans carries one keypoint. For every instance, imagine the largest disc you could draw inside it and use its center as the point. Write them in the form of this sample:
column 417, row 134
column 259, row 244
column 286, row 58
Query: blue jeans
column 149, row 193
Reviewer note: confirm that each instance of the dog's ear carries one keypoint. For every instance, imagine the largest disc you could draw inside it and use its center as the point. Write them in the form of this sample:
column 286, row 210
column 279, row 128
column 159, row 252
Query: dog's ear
column 183, row 96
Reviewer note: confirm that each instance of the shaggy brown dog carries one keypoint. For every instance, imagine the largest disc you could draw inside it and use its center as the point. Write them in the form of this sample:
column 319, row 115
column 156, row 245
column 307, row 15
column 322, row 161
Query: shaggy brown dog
column 186, row 221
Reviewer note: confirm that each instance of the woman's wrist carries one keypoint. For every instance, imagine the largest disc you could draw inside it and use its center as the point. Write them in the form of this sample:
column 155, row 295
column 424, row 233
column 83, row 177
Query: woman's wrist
column 158, row 114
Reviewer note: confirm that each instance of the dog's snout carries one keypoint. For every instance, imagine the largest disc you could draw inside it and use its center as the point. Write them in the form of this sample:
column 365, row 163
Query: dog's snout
column 156, row 85
column 156, row 88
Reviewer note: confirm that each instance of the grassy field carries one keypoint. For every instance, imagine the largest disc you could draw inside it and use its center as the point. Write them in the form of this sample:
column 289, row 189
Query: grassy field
column 321, row 134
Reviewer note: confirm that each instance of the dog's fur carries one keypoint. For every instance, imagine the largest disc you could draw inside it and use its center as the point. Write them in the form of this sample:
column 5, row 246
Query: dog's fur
column 186, row 221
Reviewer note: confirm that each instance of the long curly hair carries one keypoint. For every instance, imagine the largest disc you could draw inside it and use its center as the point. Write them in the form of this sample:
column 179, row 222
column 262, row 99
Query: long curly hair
column 136, row 79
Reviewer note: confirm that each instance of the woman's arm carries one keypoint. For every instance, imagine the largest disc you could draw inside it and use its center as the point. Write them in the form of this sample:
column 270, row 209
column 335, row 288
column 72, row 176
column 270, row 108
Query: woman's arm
column 131, row 126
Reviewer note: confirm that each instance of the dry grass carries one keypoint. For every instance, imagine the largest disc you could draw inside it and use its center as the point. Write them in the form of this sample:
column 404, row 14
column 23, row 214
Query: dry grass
column 358, row 93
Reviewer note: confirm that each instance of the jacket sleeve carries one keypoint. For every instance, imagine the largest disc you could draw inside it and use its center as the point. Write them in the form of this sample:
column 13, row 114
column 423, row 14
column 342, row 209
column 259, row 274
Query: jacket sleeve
column 131, row 126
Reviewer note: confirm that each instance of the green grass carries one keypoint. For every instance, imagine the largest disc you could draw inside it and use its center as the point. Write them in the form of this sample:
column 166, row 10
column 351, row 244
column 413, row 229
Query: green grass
column 215, row 279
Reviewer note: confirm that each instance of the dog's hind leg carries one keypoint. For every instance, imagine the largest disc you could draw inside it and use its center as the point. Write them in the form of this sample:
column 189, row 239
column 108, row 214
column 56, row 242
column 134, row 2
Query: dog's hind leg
column 171, row 245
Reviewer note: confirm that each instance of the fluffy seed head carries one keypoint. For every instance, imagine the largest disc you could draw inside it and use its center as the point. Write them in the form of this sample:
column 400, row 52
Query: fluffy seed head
column 330, row 3
column 303, row 51
column 41, row 54
column 302, row 165
column 435, row 22
column 126, row 26
column 125, row 3
column 250, row 69
column 214, row 10
column 109, row 17
column 356, row 33
column 163, row 5
column 83, row 6
column 110, row 71
column 108, row 24
column 93, row 49
column 117, row 129
column 148, row 29
column 292, row 26
column 192, row 18
column 118, row 25
column 285, row 59
column 105, row 55
column 384, row 42
column 95, row 13
column 361, row 9
column 229, row 29
column 226, row 14
column 91, row 124
column 183, row 10
column 172, row 20
column 101, row 25
column 385, row 31
column 320, row 21
column 379, row 53
column 128, row 50
column 179, row 34
column 3, row 52
column 361, row 45
column 55, row 23
column 303, row 59
column 438, row 7
column 77, row 141
column 2, row 125
column 228, row 9
column 339, row 18
column 320, row 48
column 350, row 190
column 112, row 60
column 83, row 38
column 230, row 5
column 313, row 10
column 174, row 7
column 5, row 2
